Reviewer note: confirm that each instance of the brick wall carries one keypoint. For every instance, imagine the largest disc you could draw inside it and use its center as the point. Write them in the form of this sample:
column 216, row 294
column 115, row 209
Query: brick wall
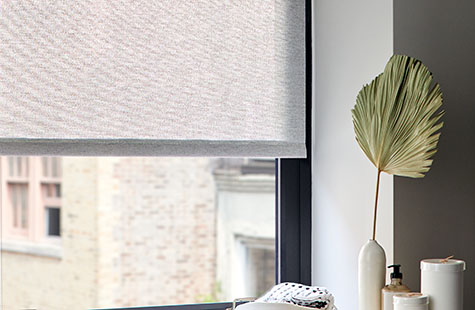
column 157, row 231
column 67, row 282
column 135, row 231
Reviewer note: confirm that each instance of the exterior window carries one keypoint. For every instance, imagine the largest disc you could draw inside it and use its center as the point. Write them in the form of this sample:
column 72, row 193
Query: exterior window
column 139, row 231
column 16, row 186
column 258, row 264
column 51, row 194
column 261, row 266
column 119, row 253
column 32, row 201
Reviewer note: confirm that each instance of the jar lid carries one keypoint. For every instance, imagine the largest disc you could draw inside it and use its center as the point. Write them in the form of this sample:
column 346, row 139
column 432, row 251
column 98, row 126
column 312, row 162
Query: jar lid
column 437, row 264
column 410, row 299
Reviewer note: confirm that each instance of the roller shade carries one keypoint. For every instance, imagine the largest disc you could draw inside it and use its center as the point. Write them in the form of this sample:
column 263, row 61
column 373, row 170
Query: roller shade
column 164, row 78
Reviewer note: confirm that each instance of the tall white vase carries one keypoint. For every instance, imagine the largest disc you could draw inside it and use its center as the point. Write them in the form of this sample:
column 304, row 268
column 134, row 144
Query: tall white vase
column 371, row 275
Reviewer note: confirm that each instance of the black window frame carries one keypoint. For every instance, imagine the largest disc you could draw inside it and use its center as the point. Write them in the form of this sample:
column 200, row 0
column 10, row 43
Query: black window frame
column 294, row 192
column 293, row 204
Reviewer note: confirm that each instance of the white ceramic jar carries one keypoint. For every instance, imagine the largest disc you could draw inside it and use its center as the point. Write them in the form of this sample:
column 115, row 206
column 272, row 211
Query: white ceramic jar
column 410, row 301
column 442, row 281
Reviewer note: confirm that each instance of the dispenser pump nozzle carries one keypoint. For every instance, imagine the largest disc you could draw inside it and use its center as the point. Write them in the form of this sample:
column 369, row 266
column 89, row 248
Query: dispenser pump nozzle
column 396, row 274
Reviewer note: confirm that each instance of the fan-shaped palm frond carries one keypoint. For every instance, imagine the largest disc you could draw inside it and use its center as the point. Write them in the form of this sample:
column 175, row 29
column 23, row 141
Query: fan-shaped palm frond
column 396, row 119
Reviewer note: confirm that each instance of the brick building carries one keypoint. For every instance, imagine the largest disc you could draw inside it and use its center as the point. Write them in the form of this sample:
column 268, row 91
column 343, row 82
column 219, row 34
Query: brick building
column 86, row 232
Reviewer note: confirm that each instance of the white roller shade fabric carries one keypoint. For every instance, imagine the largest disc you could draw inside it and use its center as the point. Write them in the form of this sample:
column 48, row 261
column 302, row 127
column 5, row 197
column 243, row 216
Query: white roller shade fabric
column 165, row 78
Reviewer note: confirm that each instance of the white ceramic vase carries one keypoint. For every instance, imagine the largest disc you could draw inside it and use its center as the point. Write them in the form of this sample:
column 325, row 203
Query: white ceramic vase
column 371, row 275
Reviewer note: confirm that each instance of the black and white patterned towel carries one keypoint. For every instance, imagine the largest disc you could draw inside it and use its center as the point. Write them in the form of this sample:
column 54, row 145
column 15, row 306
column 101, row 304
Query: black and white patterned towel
column 301, row 295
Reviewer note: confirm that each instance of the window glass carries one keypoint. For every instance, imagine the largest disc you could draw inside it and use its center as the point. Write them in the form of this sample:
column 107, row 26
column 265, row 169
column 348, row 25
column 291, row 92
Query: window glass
column 11, row 165
column 13, row 191
column 52, row 224
column 18, row 205
column 123, row 232
column 24, row 206
column 19, row 164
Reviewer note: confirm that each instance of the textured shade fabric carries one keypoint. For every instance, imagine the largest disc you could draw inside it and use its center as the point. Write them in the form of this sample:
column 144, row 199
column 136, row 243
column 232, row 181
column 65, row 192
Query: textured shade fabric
column 168, row 78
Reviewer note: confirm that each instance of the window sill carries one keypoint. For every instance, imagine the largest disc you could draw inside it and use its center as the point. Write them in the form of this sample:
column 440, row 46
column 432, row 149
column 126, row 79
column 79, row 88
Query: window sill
column 29, row 248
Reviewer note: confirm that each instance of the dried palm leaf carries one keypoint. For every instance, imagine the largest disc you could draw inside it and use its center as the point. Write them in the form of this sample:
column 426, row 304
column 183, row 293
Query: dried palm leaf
column 396, row 120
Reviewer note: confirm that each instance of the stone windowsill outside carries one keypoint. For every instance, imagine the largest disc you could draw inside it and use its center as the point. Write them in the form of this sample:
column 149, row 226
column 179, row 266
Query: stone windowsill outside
column 30, row 248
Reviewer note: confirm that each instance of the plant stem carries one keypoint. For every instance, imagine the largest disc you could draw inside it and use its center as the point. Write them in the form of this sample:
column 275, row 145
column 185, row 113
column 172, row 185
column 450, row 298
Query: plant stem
column 376, row 205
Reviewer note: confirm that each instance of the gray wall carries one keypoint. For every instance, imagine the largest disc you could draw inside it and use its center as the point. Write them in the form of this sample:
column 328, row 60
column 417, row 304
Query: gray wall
column 435, row 216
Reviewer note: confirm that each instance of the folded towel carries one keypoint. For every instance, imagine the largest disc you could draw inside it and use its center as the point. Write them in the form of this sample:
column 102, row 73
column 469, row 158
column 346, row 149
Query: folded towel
column 301, row 295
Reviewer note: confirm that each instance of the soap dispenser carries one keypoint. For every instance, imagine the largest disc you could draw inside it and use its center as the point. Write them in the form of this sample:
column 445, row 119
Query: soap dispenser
column 395, row 287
